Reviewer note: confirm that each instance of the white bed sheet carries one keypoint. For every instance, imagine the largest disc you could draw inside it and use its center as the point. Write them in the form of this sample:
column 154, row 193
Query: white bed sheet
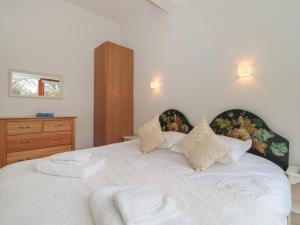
column 30, row 198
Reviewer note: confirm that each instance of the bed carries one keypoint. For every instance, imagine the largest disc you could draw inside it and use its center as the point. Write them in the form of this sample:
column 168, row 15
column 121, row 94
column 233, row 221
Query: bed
column 256, row 191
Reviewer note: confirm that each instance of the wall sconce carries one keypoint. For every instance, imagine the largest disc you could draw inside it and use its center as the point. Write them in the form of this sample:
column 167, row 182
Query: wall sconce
column 245, row 70
column 155, row 85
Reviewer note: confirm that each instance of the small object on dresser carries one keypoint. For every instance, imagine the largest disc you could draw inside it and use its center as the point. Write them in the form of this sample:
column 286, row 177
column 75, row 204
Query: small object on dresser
column 130, row 138
column 293, row 173
column 44, row 114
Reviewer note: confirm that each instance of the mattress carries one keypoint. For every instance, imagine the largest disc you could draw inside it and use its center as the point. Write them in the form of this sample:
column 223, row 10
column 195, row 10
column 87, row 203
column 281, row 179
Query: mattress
column 254, row 191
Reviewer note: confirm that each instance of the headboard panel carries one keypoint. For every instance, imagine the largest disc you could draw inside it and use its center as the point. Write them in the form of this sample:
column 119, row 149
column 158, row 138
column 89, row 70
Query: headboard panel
column 173, row 120
column 244, row 125
column 239, row 124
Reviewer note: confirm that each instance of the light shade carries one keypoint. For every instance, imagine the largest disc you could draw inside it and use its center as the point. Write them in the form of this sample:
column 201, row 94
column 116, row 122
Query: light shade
column 155, row 85
column 245, row 70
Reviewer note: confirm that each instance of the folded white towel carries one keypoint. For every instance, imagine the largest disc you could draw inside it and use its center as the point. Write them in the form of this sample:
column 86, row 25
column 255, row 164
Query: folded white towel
column 76, row 171
column 146, row 205
column 103, row 210
column 75, row 157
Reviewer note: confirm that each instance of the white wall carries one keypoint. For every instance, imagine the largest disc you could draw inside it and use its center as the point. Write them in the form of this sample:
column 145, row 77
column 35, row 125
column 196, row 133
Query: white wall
column 195, row 49
column 52, row 36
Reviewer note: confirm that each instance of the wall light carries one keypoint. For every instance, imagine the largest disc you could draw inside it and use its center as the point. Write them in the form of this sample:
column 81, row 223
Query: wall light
column 155, row 85
column 245, row 70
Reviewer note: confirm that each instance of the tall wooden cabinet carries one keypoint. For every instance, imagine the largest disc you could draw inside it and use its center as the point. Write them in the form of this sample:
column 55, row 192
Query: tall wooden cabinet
column 113, row 93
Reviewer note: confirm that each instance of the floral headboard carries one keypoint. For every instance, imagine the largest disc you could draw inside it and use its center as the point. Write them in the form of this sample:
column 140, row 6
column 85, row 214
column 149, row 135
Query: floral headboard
column 244, row 125
column 173, row 120
column 237, row 124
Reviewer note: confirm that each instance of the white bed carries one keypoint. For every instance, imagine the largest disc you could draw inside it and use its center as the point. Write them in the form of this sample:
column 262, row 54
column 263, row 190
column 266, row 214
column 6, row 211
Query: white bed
column 254, row 192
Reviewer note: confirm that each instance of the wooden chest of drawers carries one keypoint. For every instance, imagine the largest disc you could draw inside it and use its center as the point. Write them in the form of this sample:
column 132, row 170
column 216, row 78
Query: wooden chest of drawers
column 30, row 138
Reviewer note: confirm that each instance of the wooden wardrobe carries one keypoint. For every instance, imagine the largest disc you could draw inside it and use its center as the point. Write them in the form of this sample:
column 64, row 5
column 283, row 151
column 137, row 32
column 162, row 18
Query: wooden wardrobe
column 113, row 93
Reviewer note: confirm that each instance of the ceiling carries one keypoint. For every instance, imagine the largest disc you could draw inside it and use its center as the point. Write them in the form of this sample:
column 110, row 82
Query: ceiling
column 116, row 10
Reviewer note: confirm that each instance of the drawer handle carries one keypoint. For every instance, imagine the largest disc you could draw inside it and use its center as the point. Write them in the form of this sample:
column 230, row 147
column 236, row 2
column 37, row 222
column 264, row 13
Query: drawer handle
column 21, row 160
column 25, row 127
column 24, row 141
column 58, row 125
column 57, row 139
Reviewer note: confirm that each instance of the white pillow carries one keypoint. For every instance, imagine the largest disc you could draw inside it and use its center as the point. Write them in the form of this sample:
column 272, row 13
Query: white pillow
column 172, row 138
column 238, row 149
column 176, row 149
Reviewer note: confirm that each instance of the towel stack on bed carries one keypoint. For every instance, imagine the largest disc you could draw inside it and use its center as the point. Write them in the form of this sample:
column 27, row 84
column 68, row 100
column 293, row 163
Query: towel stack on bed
column 78, row 164
column 72, row 158
column 132, row 205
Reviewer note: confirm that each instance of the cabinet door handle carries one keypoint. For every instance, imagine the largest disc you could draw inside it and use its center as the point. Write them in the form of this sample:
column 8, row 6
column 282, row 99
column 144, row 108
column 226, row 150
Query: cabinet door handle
column 24, row 141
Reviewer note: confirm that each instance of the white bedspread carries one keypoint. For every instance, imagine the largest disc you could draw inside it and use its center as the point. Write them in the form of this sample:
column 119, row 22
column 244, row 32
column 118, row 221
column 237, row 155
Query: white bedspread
column 254, row 192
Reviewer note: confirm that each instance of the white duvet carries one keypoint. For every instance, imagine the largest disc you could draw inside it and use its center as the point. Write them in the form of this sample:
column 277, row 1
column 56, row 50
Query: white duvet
column 254, row 192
